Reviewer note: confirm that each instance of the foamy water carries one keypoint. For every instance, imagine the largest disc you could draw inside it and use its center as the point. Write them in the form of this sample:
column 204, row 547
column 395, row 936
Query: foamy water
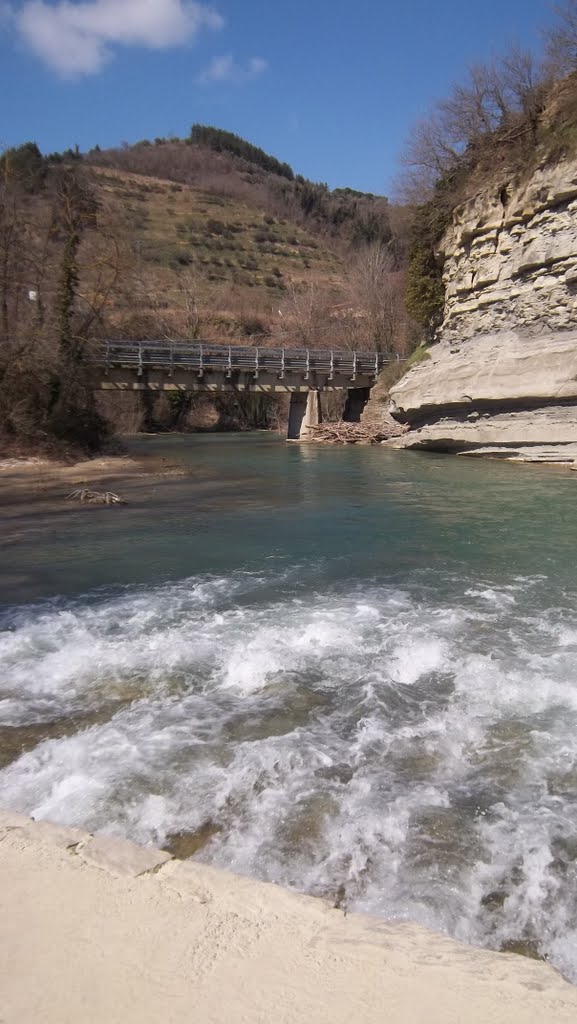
column 407, row 748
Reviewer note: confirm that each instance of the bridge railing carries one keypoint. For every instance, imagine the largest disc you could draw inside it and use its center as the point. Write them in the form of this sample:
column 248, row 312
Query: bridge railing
column 205, row 357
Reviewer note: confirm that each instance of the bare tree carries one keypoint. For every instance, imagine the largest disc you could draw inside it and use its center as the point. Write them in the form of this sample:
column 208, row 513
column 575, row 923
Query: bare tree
column 304, row 318
column 104, row 266
column 181, row 311
column 475, row 108
column 377, row 290
column 497, row 102
column 53, row 289
column 429, row 153
column 561, row 40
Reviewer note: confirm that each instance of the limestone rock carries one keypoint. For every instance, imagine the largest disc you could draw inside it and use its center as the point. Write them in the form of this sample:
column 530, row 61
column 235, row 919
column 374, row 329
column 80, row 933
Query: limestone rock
column 121, row 857
column 12, row 819
column 61, row 836
column 510, row 257
column 498, row 389
column 503, row 378
column 503, row 367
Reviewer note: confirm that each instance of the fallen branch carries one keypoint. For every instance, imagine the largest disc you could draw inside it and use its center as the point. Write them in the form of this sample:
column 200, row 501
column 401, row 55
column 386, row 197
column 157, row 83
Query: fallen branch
column 96, row 497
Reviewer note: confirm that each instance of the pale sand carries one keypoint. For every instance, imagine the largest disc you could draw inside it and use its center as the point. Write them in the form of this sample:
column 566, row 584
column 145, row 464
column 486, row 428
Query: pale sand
column 85, row 940
column 39, row 476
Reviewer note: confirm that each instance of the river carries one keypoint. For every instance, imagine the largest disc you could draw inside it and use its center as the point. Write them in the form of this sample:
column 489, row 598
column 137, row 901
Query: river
column 350, row 671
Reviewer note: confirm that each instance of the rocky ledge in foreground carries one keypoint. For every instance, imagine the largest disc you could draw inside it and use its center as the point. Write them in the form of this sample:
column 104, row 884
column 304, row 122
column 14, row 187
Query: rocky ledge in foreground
column 100, row 931
column 504, row 395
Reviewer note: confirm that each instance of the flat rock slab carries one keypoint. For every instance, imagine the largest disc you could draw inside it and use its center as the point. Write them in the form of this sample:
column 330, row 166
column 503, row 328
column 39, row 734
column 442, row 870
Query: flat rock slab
column 121, row 857
column 192, row 943
column 508, row 367
column 62, row 836
column 12, row 819
column 562, row 454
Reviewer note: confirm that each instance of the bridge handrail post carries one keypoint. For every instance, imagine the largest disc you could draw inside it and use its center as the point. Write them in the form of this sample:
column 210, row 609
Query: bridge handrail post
column 140, row 359
column 282, row 364
column 256, row 363
column 170, row 372
column 308, row 369
column 200, row 361
column 376, row 364
column 332, row 373
column 354, row 377
column 229, row 363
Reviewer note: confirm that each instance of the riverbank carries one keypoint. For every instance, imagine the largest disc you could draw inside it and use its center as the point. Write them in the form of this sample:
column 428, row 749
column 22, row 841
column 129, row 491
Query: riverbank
column 106, row 932
column 36, row 477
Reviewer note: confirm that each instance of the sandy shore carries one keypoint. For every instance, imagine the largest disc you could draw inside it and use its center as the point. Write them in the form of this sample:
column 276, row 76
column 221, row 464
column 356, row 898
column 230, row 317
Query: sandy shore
column 37, row 477
column 99, row 931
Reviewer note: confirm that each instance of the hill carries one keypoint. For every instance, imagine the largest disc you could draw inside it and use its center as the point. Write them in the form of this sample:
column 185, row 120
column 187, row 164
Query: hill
column 224, row 164
column 186, row 247
column 223, row 240
column 221, row 247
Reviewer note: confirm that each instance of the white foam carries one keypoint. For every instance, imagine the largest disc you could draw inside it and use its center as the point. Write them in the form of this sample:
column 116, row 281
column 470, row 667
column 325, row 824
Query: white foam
column 498, row 598
column 412, row 659
column 416, row 753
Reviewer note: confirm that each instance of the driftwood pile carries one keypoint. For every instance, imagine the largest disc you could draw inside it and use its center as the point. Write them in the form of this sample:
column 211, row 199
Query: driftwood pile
column 96, row 497
column 355, row 433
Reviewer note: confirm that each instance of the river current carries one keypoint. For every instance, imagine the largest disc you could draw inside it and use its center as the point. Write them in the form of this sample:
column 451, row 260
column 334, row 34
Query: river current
column 346, row 670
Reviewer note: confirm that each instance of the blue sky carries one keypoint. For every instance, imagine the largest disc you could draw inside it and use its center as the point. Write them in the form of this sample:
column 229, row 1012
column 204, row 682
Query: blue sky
column 331, row 86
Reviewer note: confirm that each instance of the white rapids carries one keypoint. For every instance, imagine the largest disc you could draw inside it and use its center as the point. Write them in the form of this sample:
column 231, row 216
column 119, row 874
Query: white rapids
column 408, row 750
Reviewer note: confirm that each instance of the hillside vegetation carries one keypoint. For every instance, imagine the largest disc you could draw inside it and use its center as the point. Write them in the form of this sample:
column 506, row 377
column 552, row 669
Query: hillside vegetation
column 204, row 264
column 223, row 164
column 104, row 246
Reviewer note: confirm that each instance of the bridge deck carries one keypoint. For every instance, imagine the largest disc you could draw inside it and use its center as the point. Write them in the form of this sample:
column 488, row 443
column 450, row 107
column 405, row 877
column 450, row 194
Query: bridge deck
column 204, row 356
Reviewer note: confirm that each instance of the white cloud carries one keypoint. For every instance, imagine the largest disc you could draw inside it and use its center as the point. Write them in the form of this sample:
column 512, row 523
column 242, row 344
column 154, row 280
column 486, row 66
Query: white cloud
column 257, row 65
column 226, row 69
column 77, row 38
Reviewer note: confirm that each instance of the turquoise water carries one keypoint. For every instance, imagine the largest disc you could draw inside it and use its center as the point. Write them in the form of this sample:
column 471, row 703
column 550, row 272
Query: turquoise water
column 348, row 670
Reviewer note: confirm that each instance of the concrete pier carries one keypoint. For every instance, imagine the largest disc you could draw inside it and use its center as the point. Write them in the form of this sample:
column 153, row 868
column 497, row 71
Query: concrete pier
column 304, row 413
column 297, row 411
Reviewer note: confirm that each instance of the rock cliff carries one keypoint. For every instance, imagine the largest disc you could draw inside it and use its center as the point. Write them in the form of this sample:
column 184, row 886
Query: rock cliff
column 503, row 378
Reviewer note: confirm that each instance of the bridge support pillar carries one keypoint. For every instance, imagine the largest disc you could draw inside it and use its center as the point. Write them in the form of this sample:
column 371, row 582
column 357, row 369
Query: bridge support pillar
column 357, row 399
column 304, row 413
column 313, row 415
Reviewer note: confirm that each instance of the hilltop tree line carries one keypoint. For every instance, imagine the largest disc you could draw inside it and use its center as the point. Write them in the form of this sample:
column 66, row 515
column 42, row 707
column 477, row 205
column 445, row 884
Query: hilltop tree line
column 223, row 141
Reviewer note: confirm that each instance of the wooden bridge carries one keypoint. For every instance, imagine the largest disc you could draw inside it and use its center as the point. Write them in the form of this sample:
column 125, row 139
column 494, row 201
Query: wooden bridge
column 202, row 366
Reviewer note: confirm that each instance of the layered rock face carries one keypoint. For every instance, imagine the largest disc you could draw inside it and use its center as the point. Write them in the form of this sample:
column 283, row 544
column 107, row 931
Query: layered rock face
column 510, row 258
column 504, row 374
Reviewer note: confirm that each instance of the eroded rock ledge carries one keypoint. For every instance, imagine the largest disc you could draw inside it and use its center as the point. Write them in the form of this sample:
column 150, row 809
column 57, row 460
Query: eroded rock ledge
column 503, row 378
column 100, row 931
column 506, row 392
